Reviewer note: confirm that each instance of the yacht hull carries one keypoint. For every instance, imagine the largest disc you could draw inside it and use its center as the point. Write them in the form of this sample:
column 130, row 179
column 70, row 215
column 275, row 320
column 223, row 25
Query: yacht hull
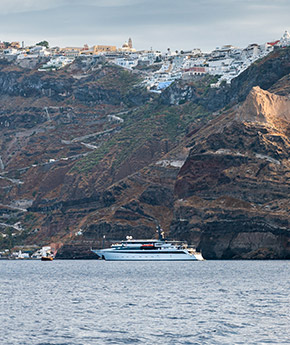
column 115, row 255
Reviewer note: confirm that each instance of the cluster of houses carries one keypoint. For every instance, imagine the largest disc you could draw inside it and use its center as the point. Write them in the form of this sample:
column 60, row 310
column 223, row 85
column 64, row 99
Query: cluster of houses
column 226, row 62
column 25, row 252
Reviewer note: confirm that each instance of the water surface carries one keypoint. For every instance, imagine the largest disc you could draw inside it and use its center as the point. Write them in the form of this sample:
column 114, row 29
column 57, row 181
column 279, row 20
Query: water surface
column 99, row 302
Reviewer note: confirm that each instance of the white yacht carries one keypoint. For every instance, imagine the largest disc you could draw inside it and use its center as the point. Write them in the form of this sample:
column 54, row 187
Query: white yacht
column 147, row 250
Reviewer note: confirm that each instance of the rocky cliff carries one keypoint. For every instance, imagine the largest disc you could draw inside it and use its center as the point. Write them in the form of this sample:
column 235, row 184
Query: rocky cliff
column 224, row 189
column 232, row 193
column 86, row 152
column 69, row 135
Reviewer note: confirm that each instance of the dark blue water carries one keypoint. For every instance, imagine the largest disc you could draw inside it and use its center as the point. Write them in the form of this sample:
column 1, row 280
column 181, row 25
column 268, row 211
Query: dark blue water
column 98, row 302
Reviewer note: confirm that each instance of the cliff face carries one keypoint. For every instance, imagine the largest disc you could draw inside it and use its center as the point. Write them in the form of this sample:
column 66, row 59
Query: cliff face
column 54, row 127
column 232, row 193
column 51, row 120
column 67, row 136
column 86, row 152
column 229, row 196
column 268, row 108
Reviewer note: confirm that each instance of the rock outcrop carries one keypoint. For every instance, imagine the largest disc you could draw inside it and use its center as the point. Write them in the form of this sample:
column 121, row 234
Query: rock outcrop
column 268, row 108
column 232, row 193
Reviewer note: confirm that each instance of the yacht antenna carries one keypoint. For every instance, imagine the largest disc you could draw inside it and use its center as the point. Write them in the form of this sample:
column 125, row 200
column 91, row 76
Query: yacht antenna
column 160, row 233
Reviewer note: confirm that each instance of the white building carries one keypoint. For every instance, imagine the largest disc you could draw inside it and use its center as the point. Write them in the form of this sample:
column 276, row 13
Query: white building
column 126, row 62
column 10, row 51
column 39, row 51
column 285, row 39
column 57, row 63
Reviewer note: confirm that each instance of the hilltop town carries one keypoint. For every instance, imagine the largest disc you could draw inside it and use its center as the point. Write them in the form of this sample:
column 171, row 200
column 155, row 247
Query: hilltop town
column 160, row 68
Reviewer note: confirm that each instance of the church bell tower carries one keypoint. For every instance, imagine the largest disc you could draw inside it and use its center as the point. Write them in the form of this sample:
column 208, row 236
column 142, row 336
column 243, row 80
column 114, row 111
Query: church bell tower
column 130, row 43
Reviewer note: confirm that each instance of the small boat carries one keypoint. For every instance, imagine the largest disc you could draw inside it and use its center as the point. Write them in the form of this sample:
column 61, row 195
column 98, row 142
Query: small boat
column 47, row 258
column 46, row 254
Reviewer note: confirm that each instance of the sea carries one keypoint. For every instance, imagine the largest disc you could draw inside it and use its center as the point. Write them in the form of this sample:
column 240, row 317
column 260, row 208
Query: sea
column 98, row 302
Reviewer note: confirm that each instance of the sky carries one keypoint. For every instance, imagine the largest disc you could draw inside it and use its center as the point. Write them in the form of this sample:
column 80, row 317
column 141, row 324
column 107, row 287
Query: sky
column 160, row 24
